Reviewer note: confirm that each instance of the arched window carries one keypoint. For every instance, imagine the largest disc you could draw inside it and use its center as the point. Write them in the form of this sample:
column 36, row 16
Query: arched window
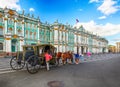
column 1, row 46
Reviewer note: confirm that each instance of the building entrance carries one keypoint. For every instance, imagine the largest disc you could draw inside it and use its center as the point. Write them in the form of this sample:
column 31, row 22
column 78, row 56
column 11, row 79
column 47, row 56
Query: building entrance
column 82, row 49
column 14, row 45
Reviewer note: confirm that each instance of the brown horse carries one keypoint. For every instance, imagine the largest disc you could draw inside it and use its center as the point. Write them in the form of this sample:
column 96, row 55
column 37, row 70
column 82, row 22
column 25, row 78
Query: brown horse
column 67, row 56
column 58, row 57
column 64, row 56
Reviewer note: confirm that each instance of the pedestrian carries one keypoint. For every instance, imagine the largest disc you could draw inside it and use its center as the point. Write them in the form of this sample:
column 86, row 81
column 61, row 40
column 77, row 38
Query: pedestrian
column 48, row 57
column 77, row 58
column 73, row 59
column 80, row 60
column 81, row 57
column 88, row 54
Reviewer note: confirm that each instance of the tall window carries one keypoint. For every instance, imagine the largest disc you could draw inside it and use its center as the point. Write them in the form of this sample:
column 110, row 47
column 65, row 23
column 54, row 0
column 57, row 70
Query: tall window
column 1, row 20
column 31, row 35
column 1, row 32
column 26, row 34
column 1, row 46
column 1, row 27
column 34, row 35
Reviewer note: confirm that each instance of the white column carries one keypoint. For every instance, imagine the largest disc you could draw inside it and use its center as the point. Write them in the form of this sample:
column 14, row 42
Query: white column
column 5, row 19
column 79, row 49
column 67, row 36
column 23, row 28
column 21, row 44
column 60, row 36
column 56, row 47
column 4, row 46
column 15, row 25
column 63, row 36
column 75, row 38
column 60, row 48
column 56, row 35
column 84, row 49
column 79, row 39
column 56, row 38
column 38, row 36
column 8, row 43
column 75, row 49
column 65, row 48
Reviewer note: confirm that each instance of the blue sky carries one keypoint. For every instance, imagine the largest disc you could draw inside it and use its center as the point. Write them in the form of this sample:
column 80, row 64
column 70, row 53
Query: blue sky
column 97, row 16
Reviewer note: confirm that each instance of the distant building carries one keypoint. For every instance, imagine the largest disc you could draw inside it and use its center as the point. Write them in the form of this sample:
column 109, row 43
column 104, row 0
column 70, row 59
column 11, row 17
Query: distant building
column 118, row 46
column 19, row 29
column 112, row 49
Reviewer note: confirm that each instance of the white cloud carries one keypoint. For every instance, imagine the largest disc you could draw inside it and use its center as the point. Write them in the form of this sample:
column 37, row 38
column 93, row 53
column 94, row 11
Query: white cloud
column 108, row 7
column 91, row 1
column 31, row 9
column 12, row 4
column 102, row 17
column 103, row 30
column 116, row 39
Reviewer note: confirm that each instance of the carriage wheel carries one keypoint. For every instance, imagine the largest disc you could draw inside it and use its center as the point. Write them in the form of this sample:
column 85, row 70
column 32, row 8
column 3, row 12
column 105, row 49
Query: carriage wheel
column 17, row 64
column 33, row 64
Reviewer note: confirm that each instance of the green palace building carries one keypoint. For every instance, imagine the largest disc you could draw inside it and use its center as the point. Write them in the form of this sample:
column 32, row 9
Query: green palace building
column 19, row 29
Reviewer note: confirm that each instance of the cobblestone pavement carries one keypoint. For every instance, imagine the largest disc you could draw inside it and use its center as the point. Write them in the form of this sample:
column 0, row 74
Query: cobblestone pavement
column 97, row 57
column 5, row 62
column 99, row 71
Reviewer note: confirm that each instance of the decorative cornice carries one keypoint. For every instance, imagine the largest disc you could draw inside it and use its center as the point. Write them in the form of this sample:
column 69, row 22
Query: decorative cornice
column 1, row 15
column 8, row 38
column 15, row 36
column 10, row 29
column 1, row 27
column 11, row 12
column 21, row 39
column 55, row 28
column 15, row 20
column 23, row 22
column 5, row 18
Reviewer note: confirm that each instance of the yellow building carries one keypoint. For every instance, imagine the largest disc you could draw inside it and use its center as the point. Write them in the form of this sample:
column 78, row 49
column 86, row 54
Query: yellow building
column 112, row 49
column 118, row 46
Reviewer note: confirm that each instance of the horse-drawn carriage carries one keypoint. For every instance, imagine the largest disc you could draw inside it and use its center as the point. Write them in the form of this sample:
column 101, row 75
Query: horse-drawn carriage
column 33, row 57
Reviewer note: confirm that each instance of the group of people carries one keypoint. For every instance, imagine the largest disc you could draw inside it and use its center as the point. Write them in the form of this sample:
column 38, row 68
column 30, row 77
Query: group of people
column 77, row 58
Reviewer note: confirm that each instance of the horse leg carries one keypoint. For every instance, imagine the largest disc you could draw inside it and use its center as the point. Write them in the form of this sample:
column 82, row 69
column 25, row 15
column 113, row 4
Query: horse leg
column 72, row 60
column 60, row 61
column 57, row 61
column 64, row 61
column 69, row 61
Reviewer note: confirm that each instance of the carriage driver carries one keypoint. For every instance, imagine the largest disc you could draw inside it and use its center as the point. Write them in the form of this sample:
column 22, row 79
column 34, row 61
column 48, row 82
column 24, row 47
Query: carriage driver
column 48, row 57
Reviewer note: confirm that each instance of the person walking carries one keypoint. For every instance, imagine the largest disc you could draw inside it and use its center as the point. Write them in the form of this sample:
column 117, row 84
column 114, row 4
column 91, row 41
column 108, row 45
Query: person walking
column 48, row 57
column 77, row 58
column 73, row 59
column 81, row 57
column 88, row 54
